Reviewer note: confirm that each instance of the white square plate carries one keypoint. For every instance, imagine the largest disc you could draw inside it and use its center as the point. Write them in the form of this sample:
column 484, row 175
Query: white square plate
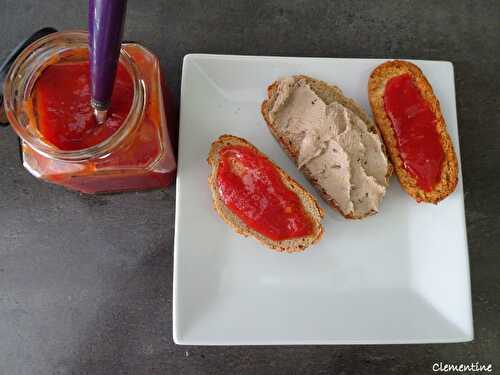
column 401, row 276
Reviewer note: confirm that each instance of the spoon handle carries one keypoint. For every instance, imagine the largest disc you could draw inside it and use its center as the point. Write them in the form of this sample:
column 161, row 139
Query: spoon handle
column 106, row 20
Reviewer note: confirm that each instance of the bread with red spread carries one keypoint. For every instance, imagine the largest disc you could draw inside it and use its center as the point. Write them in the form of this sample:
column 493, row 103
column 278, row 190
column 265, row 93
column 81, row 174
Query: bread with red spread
column 376, row 91
column 332, row 141
column 311, row 207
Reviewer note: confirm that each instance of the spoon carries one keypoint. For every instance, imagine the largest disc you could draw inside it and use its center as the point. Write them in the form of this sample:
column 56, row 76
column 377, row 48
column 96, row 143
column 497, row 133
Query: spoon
column 106, row 20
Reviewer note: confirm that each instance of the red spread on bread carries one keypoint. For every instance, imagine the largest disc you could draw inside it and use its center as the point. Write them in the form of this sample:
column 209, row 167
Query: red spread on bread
column 414, row 123
column 253, row 189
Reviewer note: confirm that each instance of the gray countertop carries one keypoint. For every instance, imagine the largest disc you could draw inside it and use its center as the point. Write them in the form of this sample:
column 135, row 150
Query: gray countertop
column 86, row 281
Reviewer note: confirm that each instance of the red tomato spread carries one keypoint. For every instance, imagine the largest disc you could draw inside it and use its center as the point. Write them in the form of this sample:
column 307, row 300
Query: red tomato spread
column 62, row 100
column 415, row 126
column 252, row 188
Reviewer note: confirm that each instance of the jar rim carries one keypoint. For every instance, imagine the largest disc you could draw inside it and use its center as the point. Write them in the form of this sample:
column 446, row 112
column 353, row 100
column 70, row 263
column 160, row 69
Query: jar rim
column 33, row 60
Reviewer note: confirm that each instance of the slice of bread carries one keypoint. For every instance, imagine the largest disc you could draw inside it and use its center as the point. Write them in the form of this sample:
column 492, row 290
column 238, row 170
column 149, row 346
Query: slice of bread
column 376, row 88
column 291, row 145
column 311, row 206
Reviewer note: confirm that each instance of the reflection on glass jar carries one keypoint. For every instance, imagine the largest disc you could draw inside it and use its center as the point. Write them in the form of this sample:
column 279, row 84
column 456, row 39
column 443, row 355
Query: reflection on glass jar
column 135, row 155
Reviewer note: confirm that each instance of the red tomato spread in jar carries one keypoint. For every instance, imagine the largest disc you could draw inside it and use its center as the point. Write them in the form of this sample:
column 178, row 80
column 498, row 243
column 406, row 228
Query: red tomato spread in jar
column 414, row 123
column 49, row 107
column 253, row 189
column 62, row 99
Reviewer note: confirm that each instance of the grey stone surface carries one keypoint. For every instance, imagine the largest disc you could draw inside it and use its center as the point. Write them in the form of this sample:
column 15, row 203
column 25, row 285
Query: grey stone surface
column 86, row 282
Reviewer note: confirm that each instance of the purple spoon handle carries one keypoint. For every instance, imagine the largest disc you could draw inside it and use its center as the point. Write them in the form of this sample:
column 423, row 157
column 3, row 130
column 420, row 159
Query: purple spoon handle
column 106, row 20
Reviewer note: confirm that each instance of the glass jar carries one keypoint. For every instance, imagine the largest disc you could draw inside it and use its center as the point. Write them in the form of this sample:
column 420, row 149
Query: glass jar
column 137, row 156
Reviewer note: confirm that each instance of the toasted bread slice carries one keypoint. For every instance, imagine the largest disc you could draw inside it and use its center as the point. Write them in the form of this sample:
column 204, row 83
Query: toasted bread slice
column 311, row 206
column 376, row 88
column 328, row 94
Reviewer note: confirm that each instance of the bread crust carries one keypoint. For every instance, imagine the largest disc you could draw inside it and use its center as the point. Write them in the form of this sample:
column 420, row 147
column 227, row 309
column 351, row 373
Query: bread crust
column 376, row 88
column 319, row 87
column 310, row 204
